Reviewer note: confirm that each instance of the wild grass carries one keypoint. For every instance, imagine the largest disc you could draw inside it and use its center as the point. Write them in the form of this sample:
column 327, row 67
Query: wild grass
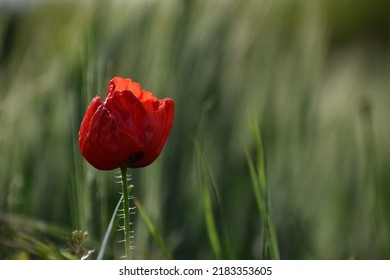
column 258, row 173
column 313, row 74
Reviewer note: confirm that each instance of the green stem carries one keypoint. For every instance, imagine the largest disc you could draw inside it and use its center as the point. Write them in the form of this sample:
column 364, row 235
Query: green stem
column 126, row 190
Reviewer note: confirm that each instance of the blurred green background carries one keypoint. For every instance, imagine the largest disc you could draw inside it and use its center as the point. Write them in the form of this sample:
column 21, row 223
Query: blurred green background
column 315, row 75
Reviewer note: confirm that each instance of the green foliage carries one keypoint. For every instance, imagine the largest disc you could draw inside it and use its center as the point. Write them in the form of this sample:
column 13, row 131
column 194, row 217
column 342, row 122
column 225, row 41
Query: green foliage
column 206, row 184
column 313, row 74
column 258, row 175
column 153, row 230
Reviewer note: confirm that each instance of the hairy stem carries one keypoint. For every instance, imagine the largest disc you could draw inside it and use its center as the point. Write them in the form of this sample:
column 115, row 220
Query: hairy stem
column 126, row 190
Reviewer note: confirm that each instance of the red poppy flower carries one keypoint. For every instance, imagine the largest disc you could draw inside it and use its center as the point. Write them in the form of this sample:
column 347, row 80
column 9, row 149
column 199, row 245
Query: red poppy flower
column 128, row 129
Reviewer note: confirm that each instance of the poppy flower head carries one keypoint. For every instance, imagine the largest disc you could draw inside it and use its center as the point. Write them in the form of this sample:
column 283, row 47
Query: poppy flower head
column 129, row 128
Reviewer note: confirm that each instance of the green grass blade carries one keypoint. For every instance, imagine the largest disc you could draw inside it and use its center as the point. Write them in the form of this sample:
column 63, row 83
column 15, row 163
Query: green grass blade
column 260, row 189
column 204, row 187
column 153, row 230
column 109, row 230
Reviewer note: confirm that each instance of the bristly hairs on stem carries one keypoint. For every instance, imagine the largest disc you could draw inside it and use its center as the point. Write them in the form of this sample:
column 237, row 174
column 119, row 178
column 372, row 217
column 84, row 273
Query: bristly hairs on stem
column 126, row 212
column 122, row 217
